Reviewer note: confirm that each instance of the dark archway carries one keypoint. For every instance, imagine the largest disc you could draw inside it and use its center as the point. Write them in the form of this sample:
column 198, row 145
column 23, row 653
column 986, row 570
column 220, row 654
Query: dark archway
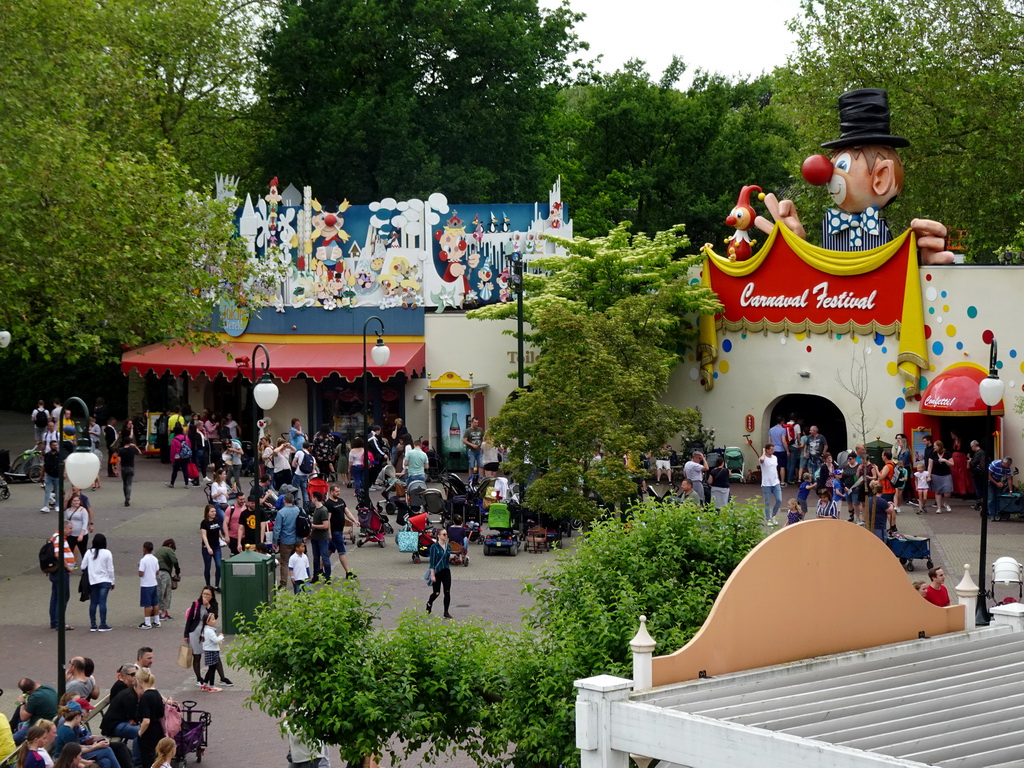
column 813, row 410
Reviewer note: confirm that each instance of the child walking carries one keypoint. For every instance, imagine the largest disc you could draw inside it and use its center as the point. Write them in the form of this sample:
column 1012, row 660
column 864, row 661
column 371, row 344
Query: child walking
column 298, row 568
column 921, row 484
column 804, row 491
column 149, row 600
column 211, row 652
column 794, row 514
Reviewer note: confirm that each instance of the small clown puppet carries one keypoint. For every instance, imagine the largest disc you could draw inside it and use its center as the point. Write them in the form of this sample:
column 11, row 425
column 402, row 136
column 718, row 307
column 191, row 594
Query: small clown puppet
column 742, row 217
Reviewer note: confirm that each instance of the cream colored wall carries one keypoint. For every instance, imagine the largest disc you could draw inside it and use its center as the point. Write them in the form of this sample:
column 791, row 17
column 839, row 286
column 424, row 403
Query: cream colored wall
column 761, row 368
column 292, row 403
column 474, row 348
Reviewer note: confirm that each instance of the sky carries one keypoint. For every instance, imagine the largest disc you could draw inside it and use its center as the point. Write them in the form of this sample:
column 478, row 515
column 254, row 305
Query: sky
column 734, row 38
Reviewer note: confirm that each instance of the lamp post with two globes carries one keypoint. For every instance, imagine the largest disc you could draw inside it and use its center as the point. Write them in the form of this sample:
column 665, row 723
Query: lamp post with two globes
column 82, row 467
column 991, row 390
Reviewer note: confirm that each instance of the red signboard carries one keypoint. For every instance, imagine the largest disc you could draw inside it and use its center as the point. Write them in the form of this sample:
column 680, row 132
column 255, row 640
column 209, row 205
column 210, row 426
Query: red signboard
column 793, row 285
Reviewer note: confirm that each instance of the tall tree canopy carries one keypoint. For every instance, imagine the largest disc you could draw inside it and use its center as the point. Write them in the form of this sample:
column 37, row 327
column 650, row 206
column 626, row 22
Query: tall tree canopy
column 405, row 98
column 644, row 151
column 105, row 243
column 952, row 70
column 609, row 320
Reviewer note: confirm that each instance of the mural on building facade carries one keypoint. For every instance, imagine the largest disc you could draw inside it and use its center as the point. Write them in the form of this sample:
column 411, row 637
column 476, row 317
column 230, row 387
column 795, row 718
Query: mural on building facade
column 863, row 281
column 392, row 253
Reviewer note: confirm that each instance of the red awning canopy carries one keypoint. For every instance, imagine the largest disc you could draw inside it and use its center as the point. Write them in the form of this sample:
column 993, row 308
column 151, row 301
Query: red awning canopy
column 317, row 361
column 954, row 392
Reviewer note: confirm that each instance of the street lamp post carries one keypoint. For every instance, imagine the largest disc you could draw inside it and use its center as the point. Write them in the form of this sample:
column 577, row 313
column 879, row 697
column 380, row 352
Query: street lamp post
column 5, row 339
column 380, row 354
column 517, row 279
column 82, row 467
column 991, row 390
column 264, row 396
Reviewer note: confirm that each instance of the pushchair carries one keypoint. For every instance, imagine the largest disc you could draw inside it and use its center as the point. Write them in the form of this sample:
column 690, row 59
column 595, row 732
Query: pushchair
column 419, row 523
column 502, row 535
column 436, row 467
column 317, row 485
column 193, row 735
column 373, row 524
column 734, row 461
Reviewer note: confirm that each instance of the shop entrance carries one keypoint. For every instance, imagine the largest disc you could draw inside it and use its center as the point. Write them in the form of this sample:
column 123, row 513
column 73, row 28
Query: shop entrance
column 813, row 410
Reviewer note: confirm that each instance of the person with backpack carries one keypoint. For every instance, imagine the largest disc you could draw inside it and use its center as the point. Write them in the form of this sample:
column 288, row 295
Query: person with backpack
column 286, row 536
column 40, row 416
column 303, row 465
column 57, row 565
column 181, row 455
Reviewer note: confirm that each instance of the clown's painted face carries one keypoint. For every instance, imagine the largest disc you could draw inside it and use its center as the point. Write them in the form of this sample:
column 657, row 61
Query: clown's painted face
column 855, row 185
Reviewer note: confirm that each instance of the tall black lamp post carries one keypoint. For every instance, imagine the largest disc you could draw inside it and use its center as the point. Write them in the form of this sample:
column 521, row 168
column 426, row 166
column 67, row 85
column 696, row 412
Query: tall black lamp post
column 517, row 280
column 380, row 354
column 82, row 467
column 991, row 391
column 264, row 396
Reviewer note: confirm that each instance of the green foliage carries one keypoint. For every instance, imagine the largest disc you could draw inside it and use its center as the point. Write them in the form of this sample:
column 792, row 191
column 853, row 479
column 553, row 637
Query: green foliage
column 609, row 319
column 667, row 562
column 694, row 431
column 105, row 243
column 644, row 151
column 402, row 98
column 952, row 70
column 319, row 663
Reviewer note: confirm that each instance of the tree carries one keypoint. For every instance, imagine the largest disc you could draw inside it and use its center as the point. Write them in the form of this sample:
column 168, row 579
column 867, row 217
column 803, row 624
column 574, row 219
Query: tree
column 644, row 151
column 609, row 319
column 398, row 98
column 952, row 73
column 105, row 243
column 440, row 686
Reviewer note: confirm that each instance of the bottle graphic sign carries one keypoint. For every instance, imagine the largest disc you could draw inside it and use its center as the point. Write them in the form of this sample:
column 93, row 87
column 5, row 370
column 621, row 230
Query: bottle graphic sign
column 454, row 434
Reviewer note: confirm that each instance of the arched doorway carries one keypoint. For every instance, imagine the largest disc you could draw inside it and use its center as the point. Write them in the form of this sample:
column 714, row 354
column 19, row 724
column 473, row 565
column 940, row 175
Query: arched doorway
column 814, row 410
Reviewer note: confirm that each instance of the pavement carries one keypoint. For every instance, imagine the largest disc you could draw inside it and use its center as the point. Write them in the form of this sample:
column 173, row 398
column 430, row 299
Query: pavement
column 488, row 589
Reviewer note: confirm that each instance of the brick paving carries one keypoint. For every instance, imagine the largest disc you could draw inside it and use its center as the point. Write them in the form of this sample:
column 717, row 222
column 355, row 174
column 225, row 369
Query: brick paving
column 488, row 589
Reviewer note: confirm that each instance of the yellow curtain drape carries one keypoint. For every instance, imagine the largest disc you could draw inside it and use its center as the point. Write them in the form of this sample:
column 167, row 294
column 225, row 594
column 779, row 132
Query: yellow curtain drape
column 912, row 354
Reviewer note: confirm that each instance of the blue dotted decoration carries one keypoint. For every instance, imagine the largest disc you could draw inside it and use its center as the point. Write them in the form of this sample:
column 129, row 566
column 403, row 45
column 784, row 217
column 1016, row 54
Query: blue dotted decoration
column 839, row 336
column 743, row 335
column 972, row 312
column 943, row 294
column 885, row 350
column 727, row 345
column 999, row 364
column 879, row 339
column 923, row 384
column 715, row 374
column 1013, row 353
column 931, row 310
column 901, row 403
column 937, row 347
column 959, row 345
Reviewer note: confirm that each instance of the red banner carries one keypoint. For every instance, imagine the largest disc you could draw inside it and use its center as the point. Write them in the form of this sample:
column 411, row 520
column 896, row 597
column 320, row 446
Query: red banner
column 813, row 290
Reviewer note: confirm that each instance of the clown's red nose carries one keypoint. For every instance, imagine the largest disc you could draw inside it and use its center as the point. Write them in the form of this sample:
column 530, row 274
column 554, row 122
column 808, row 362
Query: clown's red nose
column 330, row 219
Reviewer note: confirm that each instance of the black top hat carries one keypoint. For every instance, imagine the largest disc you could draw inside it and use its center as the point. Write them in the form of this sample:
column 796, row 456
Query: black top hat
column 864, row 119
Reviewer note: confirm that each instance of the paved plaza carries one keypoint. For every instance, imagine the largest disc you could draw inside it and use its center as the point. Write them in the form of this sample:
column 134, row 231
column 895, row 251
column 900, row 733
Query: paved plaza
column 488, row 589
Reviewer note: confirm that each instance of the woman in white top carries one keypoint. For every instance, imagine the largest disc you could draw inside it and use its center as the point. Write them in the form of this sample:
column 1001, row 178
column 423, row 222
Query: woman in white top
column 78, row 516
column 282, row 463
column 98, row 563
column 219, row 489
column 357, row 463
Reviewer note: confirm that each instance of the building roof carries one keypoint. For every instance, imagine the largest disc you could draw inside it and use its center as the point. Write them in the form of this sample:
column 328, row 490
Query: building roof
column 955, row 700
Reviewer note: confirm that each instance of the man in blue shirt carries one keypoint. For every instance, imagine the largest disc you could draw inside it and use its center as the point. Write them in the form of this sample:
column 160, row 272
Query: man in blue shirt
column 285, row 537
column 999, row 482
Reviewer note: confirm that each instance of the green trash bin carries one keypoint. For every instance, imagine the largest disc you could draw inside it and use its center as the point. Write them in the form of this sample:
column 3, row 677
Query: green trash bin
column 875, row 448
column 247, row 582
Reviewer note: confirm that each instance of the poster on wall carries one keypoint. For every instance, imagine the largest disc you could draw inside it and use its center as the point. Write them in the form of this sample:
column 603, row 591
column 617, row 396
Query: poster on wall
column 454, row 418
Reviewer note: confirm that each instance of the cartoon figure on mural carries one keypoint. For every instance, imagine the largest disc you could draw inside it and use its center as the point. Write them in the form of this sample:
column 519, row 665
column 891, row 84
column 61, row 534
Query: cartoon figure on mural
column 453, row 249
column 742, row 217
column 478, row 230
column 485, row 274
column 555, row 221
column 327, row 226
column 863, row 176
column 273, row 199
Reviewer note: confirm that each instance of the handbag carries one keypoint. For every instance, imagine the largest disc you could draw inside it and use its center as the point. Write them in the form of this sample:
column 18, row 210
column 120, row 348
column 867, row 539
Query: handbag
column 185, row 656
column 408, row 539
column 426, row 577
column 193, row 471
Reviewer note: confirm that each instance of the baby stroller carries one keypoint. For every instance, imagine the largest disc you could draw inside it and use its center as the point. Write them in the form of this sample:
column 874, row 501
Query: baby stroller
column 436, row 467
column 193, row 735
column 5, row 492
column 419, row 523
column 317, row 485
column 734, row 461
column 373, row 524
column 503, row 534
